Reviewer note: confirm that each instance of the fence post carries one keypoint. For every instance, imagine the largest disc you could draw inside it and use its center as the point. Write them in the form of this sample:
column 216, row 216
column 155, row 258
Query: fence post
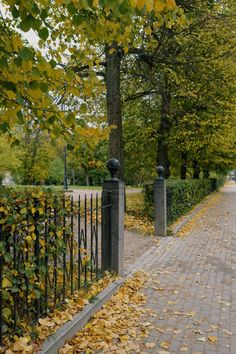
column 113, row 221
column 160, row 222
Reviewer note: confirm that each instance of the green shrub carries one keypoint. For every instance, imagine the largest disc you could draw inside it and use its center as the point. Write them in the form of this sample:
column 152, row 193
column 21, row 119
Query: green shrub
column 182, row 196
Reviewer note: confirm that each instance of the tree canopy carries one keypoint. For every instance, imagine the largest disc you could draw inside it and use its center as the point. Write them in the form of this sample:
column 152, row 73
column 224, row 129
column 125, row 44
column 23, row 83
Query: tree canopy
column 162, row 71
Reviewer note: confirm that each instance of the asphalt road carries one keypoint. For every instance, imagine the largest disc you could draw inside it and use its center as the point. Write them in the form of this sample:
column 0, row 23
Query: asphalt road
column 93, row 192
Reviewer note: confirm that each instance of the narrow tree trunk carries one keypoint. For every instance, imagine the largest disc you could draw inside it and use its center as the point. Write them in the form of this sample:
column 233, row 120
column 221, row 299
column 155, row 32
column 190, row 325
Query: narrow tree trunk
column 73, row 176
column 86, row 177
column 196, row 169
column 162, row 149
column 113, row 61
column 183, row 172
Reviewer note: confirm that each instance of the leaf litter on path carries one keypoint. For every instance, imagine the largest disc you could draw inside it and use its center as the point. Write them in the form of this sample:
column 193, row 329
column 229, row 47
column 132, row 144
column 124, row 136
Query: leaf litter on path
column 118, row 326
column 48, row 325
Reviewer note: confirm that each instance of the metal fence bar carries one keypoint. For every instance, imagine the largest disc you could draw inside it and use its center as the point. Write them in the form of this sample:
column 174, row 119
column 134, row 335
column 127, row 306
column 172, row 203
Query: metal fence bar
column 96, row 237
column 71, row 247
column 79, row 244
column 43, row 250
column 46, row 257
column 37, row 259
column 55, row 263
column 85, row 238
column 64, row 250
column 1, row 302
column 15, row 269
column 27, row 260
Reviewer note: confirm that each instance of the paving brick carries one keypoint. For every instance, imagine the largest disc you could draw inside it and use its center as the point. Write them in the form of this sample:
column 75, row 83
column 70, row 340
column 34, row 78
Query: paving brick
column 197, row 274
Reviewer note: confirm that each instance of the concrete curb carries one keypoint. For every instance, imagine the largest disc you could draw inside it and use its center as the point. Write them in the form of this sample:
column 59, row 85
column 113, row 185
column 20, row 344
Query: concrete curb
column 191, row 215
column 54, row 342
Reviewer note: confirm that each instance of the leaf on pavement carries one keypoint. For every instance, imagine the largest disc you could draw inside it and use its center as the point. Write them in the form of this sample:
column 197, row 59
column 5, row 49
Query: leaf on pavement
column 165, row 345
column 212, row 339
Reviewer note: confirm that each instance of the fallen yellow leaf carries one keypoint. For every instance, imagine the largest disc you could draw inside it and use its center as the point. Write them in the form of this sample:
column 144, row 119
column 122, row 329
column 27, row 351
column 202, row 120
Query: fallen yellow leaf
column 46, row 322
column 190, row 313
column 165, row 345
column 150, row 345
column 212, row 339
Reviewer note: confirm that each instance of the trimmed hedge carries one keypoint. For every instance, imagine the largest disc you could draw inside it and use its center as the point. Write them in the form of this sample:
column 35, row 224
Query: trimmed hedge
column 182, row 196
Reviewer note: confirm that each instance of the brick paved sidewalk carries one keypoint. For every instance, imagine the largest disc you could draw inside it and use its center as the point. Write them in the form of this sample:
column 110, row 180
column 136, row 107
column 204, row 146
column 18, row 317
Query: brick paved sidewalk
column 192, row 287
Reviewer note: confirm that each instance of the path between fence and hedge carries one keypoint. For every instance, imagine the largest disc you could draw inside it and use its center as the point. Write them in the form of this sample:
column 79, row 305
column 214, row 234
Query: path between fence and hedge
column 191, row 286
column 195, row 299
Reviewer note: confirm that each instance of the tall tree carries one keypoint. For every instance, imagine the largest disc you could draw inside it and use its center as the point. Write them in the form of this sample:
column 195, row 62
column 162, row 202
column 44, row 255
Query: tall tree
column 91, row 33
column 184, row 61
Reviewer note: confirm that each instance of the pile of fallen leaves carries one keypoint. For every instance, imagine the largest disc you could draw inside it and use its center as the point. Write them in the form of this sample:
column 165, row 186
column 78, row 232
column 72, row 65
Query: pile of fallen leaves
column 198, row 217
column 135, row 218
column 140, row 224
column 48, row 325
column 115, row 327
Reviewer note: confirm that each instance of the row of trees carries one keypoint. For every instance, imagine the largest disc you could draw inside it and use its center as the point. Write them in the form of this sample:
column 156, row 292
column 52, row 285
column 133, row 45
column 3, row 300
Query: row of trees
column 163, row 72
column 38, row 160
column 185, row 105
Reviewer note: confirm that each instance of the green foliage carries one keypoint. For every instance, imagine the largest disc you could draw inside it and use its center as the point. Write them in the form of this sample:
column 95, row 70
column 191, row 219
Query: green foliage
column 9, row 161
column 84, row 26
column 55, row 171
column 187, row 65
column 35, row 238
column 182, row 196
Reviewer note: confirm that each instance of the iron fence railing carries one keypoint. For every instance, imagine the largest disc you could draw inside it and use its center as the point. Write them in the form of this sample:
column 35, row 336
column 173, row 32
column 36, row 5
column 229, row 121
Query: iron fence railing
column 49, row 247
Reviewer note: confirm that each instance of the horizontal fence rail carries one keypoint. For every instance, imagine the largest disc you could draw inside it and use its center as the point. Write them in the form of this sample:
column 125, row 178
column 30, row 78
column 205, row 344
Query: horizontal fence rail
column 50, row 246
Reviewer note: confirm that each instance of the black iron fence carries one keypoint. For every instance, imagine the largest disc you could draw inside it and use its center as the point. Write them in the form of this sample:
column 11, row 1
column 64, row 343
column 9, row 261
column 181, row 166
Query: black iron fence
column 49, row 247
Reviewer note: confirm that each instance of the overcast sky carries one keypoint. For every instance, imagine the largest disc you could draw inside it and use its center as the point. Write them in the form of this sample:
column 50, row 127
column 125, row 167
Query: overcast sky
column 30, row 36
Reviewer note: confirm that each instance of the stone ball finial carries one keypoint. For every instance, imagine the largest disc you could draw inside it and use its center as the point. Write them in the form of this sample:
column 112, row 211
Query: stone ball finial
column 160, row 172
column 113, row 166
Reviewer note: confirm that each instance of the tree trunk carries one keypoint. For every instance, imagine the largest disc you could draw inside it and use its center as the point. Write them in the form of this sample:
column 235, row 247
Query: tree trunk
column 162, row 149
column 196, row 169
column 183, row 172
column 113, row 61
column 73, row 176
column 86, row 177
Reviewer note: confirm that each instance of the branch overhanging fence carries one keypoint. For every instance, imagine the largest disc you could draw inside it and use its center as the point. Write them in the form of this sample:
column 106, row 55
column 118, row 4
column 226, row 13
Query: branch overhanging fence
column 50, row 246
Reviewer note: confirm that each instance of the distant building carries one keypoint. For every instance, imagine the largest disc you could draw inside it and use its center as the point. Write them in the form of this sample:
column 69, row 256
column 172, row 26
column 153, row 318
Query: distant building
column 7, row 179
